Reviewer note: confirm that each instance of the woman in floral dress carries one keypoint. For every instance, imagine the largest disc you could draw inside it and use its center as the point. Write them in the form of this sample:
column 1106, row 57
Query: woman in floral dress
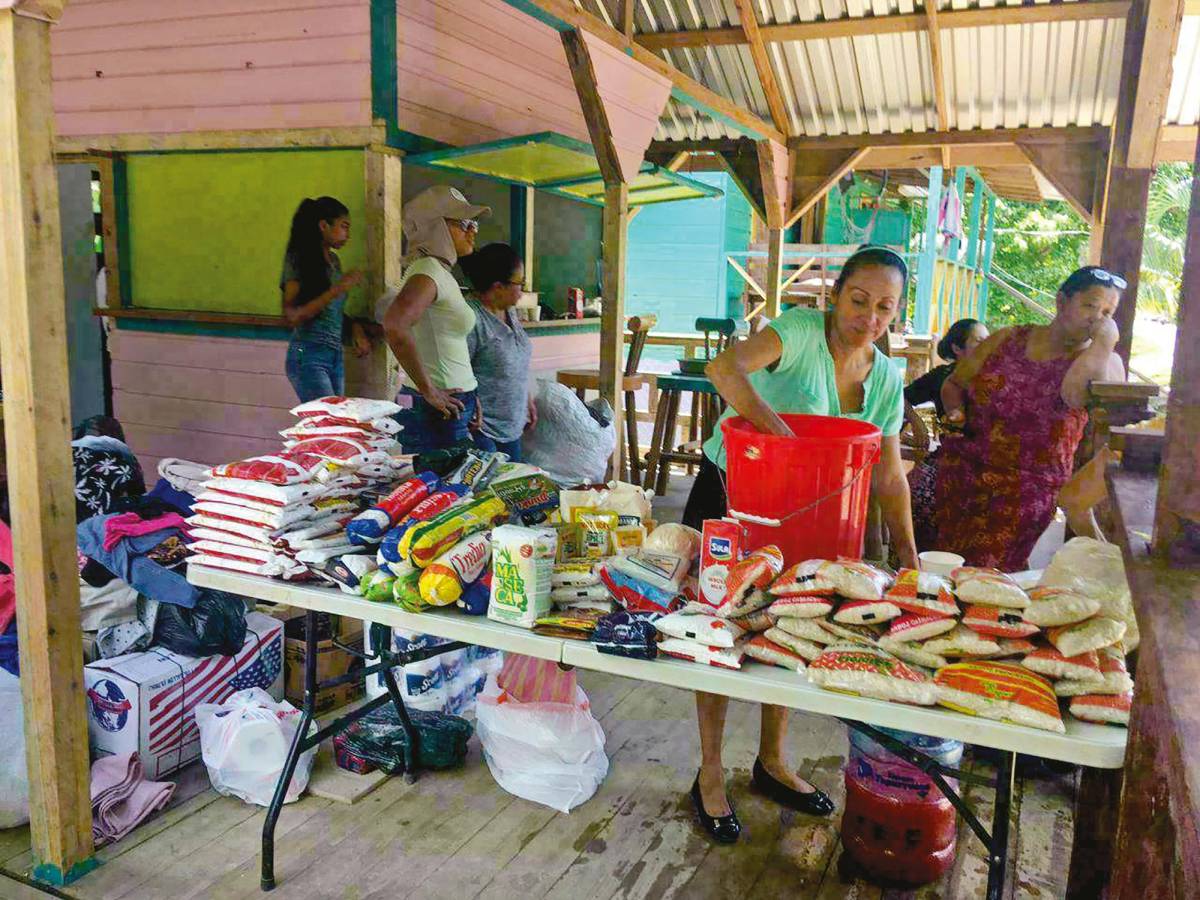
column 1019, row 399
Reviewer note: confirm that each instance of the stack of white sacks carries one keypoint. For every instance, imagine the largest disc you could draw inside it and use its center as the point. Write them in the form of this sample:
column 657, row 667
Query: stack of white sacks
column 277, row 516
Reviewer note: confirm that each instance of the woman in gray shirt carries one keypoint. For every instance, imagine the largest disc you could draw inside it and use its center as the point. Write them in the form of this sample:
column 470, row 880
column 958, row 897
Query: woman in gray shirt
column 500, row 350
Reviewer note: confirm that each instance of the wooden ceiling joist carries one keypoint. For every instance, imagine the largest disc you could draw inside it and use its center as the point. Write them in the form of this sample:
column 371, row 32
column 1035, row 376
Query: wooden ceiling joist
column 1163, row 21
column 814, row 173
column 762, row 65
column 858, row 26
column 1073, row 171
column 563, row 15
column 1068, row 135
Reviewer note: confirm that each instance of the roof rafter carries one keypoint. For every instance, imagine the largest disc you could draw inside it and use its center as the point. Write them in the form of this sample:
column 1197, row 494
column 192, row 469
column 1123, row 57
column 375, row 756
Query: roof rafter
column 762, row 64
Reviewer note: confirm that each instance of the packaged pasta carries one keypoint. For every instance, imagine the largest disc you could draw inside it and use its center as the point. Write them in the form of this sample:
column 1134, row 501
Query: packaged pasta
column 596, row 528
column 575, row 573
column 442, row 581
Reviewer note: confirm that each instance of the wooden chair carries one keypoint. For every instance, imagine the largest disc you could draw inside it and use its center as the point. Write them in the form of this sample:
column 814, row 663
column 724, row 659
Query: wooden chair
column 706, row 409
column 915, row 439
column 584, row 380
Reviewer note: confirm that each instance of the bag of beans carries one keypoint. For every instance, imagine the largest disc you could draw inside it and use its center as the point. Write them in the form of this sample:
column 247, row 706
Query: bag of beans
column 990, row 587
column 1108, row 709
column 923, row 593
column 999, row 690
column 916, row 627
column 870, row 672
column 865, row 612
column 801, row 606
column 806, row 649
column 1049, row 662
column 1049, row 607
column 1092, row 634
column 996, row 621
column 962, row 641
column 763, row 649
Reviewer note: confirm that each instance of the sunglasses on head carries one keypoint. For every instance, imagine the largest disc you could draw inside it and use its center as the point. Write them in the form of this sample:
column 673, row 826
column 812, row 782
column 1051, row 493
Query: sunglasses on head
column 1107, row 277
column 470, row 226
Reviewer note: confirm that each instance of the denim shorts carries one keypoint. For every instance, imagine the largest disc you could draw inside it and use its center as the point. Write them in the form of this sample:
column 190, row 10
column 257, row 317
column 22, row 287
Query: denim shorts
column 426, row 429
column 512, row 448
column 315, row 370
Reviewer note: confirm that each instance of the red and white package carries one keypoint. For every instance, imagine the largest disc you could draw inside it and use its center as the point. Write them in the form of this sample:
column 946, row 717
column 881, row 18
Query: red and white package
column 353, row 409
column 801, row 607
column 763, row 649
column 990, row 587
column 339, row 451
column 996, row 621
column 1107, row 709
column 916, row 627
column 228, row 537
column 746, row 583
column 245, row 515
column 871, row 672
column 1050, row 662
column 805, row 579
column 759, row 620
column 923, row 593
column 287, row 571
column 721, row 657
column 1011, row 647
column 1114, row 677
column 271, row 469
column 266, row 492
column 857, row 580
column 260, row 534
column 709, row 630
column 866, row 612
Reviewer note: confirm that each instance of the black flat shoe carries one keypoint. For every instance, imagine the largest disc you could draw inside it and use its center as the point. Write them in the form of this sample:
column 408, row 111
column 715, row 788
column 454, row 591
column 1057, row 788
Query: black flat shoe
column 724, row 829
column 814, row 803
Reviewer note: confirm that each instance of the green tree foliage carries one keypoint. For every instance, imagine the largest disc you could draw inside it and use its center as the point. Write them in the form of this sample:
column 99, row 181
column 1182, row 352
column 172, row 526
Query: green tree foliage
column 1166, row 230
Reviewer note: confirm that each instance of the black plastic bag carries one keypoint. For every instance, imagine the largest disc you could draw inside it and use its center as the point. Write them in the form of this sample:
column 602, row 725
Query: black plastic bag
column 215, row 627
column 379, row 738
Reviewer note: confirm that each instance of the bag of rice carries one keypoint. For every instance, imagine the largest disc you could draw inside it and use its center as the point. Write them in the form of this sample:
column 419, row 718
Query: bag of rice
column 1092, row 634
column 1095, row 569
column 1114, row 677
column 916, row 627
column 870, row 672
column 807, row 629
column 1012, row 647
column 923, row 593
column 995, row 621
column 962, row 641
column 857, row 580
column 711, row 631
column 805, row 579
column 912, row 653
column 1050, row 606
column 759, row 620
column 802, row 607
column 722, row 657
column 990, row 587
column 747, row 580
column 865, row 612
column 1049, row 662
column 999, row 690
column 763, row 649
column 858, row 634
column 809, row 650
column 351, row 409
column 1108, row 709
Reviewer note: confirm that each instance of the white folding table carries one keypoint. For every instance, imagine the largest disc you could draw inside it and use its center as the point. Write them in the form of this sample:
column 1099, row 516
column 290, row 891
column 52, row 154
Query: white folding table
column 1099, row 746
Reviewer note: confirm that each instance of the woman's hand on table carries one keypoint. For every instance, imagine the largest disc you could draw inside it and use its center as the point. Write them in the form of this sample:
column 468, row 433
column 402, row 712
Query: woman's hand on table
column 444, row 402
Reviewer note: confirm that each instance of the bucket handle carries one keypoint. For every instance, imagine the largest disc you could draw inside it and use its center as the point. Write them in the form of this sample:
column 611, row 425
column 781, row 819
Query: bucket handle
column 777, row 523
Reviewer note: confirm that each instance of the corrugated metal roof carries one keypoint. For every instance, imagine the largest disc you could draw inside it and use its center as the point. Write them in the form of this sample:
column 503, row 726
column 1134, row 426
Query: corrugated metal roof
column 1010, row 76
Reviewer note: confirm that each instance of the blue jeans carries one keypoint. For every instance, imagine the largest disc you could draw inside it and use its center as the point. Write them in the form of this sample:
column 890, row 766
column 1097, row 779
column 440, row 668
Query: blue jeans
column 426, row 429
column 315, row 370
column 512, row 448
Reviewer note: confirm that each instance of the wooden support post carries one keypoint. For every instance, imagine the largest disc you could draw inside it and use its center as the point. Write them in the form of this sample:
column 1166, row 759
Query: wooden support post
column 612, row 321
column 1177, row 513
column 928, row 261
column 41, row 482
column 378, row 374
column 989, row 246
column 774, row 275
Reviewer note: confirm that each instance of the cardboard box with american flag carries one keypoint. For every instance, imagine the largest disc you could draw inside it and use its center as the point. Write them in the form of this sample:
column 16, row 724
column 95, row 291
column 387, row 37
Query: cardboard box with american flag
column 147, row 701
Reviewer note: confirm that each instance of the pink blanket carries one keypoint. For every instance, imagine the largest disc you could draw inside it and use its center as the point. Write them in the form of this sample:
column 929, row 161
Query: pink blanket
column 122, row 798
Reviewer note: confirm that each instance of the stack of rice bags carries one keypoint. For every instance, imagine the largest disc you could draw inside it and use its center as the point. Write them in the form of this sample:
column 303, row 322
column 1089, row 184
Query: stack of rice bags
column 284, row 516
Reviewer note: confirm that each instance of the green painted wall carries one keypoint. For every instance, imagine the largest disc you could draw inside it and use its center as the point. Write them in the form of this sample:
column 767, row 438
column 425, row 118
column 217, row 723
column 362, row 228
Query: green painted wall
column 566, row 248
column 207, row 231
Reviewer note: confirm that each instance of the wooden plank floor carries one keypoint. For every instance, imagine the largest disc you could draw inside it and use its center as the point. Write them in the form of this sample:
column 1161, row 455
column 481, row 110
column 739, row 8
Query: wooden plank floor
column 458, row 835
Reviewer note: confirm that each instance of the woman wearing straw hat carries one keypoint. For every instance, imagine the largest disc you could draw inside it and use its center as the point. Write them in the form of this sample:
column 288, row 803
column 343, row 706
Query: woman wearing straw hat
column 427, row 323
column 815, row 363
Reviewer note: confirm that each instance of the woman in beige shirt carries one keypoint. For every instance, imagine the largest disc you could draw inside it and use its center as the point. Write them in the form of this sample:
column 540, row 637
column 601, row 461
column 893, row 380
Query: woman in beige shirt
column 427, row 323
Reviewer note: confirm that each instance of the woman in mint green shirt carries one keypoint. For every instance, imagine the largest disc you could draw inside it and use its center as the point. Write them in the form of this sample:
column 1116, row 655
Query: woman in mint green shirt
column 815, row 363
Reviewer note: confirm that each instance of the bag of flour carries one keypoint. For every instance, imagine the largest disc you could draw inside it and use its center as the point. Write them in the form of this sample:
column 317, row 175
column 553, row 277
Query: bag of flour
column 522, row 570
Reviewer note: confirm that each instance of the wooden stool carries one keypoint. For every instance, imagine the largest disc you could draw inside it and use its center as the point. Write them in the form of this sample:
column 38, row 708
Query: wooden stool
column 663, row 450
column 583, row 380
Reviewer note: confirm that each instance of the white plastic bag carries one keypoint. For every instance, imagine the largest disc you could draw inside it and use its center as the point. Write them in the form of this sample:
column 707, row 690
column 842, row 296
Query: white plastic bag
column 550, row 753
column 567, row 442
column 14, row 780
column 244, row 742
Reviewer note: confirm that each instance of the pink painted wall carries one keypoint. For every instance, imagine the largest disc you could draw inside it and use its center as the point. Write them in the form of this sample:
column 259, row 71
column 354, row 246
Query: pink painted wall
column 213, row 399
column 137, row 66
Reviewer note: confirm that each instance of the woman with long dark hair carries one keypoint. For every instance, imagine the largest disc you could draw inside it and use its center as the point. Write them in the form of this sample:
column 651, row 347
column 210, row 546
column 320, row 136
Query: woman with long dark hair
column 314, row 298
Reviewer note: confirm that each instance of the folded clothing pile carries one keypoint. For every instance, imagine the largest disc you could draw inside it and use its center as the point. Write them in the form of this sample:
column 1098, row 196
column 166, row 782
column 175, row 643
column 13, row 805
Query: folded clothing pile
column 285, row 516
column 122, row 798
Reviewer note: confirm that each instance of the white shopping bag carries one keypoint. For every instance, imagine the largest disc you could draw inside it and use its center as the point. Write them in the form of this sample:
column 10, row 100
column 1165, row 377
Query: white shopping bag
column 550, row 753
column 244, row 743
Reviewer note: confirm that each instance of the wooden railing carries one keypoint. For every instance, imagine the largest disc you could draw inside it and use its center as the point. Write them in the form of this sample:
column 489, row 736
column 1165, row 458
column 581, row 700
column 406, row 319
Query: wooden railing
column 955, row 294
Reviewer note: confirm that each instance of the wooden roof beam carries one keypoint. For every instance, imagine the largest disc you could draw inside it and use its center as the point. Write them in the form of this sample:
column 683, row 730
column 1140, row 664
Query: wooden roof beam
column 1163, row 21
column 563, row 15
column 1068, row 135
column 858, row 26
column 762, row 65
column 938, row 73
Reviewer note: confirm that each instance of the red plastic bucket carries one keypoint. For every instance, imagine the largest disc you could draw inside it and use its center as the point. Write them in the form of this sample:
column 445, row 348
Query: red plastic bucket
column 806, row 494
